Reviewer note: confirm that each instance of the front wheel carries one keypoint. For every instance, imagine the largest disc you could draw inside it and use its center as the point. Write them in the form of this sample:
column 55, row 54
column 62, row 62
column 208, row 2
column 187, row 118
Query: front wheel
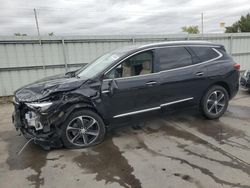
column 215, row 102
column 82, row 129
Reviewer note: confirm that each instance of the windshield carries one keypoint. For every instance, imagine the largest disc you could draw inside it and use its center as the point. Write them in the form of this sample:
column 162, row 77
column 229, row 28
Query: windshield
column 98, row 65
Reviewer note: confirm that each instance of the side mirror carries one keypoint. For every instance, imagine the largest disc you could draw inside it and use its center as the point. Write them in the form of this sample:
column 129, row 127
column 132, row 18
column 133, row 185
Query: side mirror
column 112, row 86
column 71, row 73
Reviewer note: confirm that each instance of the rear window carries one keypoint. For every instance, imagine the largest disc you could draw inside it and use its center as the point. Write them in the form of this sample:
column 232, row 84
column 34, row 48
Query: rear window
column 173, row 57
column 205, row 53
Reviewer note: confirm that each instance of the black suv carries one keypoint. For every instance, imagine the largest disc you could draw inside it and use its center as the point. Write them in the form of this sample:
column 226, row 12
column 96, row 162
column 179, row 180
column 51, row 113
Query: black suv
column 76, row 109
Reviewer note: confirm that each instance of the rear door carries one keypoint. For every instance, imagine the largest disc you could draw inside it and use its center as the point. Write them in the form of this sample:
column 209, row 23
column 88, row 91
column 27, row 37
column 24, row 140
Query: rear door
column 206, row 62
column 180, row 79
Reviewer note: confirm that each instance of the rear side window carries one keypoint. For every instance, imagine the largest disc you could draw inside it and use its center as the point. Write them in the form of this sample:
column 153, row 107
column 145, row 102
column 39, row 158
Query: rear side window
column 173, row 57
column 204, row 53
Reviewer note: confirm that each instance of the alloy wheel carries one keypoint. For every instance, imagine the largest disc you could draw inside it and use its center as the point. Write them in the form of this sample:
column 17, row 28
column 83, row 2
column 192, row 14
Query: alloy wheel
column 216, row 102
column 82, row 130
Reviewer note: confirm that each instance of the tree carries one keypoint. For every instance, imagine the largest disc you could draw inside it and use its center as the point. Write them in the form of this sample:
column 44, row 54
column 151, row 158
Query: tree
column 242, row 25
column 51, row 34
column 193, row 29
column 20, row 34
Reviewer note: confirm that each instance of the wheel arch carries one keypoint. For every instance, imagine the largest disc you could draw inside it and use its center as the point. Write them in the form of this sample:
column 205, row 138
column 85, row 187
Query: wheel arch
column 226, row 86
column 219, row 83
column 222, row 84
column 76, row 111
column 81, row 106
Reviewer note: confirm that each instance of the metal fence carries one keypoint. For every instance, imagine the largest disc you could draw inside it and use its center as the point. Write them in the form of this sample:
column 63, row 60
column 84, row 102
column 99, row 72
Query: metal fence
column 25, row 59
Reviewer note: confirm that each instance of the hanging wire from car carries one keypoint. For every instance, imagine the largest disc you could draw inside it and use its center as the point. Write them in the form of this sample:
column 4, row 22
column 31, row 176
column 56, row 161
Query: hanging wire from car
column 24, row 146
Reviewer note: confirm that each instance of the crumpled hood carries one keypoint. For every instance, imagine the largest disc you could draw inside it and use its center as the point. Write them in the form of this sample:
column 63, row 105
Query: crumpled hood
column 45, row 87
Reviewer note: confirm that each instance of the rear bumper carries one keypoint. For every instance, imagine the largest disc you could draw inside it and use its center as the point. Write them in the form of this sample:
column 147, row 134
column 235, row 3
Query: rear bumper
column 234, row 90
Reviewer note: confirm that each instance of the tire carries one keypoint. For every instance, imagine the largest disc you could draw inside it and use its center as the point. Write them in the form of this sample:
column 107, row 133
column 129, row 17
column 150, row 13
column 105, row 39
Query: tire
column 215, row 102
column 78, row 126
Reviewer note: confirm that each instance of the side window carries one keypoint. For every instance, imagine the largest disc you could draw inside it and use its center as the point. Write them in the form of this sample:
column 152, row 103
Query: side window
column 138, row 64
column 204, row 53
column 173, row 57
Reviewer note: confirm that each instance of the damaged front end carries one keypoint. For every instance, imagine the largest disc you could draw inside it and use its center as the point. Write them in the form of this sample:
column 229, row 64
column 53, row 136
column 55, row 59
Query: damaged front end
column 38, row 121
column 42, row 107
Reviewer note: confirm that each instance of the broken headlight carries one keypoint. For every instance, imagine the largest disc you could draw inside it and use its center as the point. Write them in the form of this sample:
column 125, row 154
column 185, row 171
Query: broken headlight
column 41, row 106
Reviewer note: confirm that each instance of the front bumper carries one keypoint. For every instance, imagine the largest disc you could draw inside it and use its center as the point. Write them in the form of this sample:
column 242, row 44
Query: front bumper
column 47, row 138
column 244, row 82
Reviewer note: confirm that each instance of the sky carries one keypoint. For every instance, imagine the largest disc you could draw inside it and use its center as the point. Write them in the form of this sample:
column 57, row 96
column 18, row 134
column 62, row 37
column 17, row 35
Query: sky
column 117, row 17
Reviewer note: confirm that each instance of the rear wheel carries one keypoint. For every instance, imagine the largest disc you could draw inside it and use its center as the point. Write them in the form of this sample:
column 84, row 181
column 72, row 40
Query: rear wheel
column 215, row 102
column 82, row 129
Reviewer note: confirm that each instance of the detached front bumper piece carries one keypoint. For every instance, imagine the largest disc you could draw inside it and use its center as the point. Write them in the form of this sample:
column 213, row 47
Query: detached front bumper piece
column 34, row 126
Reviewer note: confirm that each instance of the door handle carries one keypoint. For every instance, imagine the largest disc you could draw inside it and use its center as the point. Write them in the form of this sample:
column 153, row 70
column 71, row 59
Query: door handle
column 105, row 91
column 199, row 74
column 151, row 83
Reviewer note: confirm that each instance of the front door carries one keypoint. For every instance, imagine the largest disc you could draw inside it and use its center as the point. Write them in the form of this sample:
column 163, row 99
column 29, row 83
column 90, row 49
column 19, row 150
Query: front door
column 135, row 87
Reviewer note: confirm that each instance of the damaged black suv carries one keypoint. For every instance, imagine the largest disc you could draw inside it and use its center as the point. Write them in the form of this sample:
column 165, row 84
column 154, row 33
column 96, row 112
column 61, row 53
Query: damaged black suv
column 76, row 109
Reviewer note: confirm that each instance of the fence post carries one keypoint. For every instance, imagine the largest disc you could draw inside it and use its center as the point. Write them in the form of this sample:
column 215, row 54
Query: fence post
column 231, row 45
column 64, row 56
column 43, row 56
column 133, row 40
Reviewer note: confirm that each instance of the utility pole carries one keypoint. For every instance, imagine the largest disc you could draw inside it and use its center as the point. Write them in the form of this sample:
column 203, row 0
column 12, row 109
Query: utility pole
column 40, row 42
column 37, row 27
column 202, row 25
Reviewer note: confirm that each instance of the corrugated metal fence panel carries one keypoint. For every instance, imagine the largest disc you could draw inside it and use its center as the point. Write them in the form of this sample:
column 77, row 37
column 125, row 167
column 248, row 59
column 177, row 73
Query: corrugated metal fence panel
column 223, row 41
column 19, row 55
column 52, row 54
column 23, row 60
column 241, row 50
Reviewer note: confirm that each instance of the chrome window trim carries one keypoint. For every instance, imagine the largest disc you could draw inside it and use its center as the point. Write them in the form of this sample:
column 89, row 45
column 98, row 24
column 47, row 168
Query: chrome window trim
column 154, row 108
column 204, row 62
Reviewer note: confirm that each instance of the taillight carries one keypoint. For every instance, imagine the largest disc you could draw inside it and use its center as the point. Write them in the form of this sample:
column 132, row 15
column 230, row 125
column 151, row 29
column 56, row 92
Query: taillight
column 237, row 66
